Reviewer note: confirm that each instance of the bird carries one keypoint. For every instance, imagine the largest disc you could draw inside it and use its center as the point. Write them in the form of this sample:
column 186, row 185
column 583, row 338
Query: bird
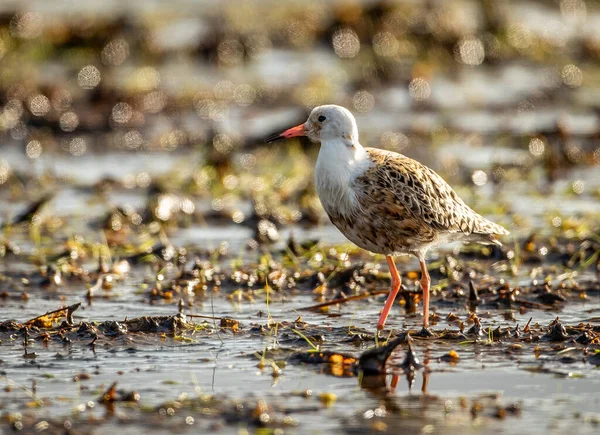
column 385, row 202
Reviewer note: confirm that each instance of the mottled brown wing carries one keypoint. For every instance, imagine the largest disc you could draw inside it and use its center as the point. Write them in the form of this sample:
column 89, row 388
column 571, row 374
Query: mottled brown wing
column 411, row 187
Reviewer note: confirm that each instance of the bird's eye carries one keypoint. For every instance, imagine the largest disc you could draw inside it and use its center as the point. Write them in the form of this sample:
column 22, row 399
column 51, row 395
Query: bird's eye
column 322, row 118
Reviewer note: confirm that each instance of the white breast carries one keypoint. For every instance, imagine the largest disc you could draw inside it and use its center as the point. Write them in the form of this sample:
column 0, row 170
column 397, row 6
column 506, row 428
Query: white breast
column 339, row 163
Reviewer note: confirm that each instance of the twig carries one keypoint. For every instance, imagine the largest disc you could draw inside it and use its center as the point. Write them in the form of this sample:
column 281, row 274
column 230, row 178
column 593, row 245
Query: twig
column 198, row 316
column 534, row 305
column 212, row 309
column 348, row 299
column 70, row 309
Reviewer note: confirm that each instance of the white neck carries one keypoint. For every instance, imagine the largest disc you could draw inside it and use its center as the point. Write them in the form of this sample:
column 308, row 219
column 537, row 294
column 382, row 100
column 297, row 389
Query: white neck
column 340, row 162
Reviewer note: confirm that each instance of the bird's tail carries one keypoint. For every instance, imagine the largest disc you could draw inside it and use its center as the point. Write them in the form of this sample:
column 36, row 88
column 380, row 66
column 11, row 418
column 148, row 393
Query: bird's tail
column 488, row 231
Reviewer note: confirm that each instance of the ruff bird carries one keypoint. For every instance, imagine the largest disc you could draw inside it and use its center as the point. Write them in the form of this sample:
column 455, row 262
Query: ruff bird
column 385, row 202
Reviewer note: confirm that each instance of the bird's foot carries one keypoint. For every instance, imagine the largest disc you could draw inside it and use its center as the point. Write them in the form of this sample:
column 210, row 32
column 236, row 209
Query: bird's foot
column 425, row 333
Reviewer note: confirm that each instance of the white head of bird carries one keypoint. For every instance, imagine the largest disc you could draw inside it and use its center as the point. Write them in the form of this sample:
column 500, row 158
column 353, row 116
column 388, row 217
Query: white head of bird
column 341, row 157
column 326, row 123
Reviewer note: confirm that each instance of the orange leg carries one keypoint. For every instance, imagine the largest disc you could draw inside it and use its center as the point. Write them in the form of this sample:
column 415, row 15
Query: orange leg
column 393, row 292
column 394, row 383
column 425, row 381
column 425, row 283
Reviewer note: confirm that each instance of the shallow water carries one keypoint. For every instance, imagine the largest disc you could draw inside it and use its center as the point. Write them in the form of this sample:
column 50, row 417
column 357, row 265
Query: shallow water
column 161, row 370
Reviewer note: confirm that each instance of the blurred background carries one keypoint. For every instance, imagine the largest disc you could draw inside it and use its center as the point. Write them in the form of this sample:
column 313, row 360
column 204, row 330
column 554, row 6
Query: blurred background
column 152, row 114
column 135, row 181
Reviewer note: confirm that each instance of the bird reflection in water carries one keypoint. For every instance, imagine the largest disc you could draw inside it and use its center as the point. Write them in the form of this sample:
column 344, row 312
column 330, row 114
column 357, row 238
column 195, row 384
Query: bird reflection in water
column 372, row 371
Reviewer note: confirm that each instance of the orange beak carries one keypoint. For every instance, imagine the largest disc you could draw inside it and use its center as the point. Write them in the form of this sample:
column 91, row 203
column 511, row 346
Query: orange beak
column 292, row 132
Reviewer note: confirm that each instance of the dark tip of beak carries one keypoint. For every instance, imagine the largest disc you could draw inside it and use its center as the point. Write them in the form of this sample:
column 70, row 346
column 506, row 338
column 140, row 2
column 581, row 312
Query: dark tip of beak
column 274, row 137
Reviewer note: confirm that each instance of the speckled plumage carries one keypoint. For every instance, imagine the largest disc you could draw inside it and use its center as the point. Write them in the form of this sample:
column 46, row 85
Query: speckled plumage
column 403, row 207
column 385, row 202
